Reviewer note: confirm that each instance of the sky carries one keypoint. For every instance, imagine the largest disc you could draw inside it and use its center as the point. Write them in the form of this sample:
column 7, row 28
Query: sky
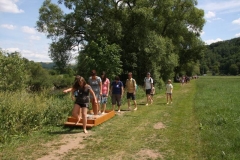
column 18, row 25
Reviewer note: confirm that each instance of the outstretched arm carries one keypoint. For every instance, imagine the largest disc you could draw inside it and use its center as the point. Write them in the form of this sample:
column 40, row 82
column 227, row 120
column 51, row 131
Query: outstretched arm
column 67, row 90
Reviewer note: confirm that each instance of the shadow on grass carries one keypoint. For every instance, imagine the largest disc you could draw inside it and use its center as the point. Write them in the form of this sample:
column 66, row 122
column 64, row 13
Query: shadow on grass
column 68, row 130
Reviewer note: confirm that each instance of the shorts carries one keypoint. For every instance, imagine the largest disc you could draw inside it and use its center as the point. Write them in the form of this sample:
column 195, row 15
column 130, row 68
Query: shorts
column 82, row 105
column 148, row 91
column 131, row 95
column 116, row 98
column 169, row 93
column 104, row 99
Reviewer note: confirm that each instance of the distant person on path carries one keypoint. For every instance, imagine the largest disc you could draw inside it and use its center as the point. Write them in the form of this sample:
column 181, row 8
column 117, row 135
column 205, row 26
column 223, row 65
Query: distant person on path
column 131, row 90
column 96, row 83
column 105, row 91
column 117, row 93
column 148, row 85
column 80, row 92
column 169, row 89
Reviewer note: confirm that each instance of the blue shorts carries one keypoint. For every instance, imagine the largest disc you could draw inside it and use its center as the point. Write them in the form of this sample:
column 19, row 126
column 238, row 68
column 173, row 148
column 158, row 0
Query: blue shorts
column 104, row 99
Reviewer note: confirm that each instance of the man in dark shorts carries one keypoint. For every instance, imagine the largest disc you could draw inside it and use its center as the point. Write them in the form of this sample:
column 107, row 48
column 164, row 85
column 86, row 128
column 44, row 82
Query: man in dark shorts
column 131, row 90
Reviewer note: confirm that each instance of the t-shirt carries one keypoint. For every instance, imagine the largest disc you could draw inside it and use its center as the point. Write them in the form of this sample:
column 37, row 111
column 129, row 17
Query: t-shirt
column 168, row 88
column 83, row 94
column 117, row 87
column 130, row 85
column 95, row 84
column 148, row 82
column 105, row 86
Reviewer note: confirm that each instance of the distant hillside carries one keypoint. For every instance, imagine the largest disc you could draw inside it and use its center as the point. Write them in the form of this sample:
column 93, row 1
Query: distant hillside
column 223, row 57
column 47, row 65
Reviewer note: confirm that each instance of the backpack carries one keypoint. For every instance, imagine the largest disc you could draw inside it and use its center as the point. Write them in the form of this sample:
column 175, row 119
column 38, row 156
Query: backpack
column 151, row 80
column 136, row 86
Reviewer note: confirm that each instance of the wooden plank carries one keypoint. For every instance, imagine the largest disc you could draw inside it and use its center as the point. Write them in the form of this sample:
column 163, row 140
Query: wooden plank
column 92, row 121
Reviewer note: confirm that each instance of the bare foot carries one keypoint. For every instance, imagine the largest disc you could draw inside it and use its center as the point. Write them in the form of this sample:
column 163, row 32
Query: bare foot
column 85, row 131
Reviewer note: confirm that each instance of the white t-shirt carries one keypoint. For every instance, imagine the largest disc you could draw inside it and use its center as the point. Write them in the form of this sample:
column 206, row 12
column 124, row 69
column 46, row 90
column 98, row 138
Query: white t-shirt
column 169, row 88
column 148, row 82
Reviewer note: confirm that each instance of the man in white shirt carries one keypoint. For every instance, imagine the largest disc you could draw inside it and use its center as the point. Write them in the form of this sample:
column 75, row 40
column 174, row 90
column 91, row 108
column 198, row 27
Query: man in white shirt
column 148, row 85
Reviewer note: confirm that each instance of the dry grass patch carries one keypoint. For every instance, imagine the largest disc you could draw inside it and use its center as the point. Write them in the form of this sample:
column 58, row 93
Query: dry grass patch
column 149, row 154
column 159, row 125
column 67, row 143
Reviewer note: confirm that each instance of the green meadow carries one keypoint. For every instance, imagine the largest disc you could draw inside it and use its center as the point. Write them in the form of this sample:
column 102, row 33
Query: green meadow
column 202, row 123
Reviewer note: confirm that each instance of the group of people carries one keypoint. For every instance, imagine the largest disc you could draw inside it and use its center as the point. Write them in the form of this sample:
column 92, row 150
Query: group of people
column 98, row 89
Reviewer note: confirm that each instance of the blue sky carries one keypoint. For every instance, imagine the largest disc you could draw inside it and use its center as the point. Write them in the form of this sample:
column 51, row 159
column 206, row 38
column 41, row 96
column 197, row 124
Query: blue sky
column 18, row 20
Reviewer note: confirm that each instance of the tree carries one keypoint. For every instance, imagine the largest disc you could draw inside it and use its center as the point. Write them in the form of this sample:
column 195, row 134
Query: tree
column 233, row 70
column 12, row 72
column 147, row 35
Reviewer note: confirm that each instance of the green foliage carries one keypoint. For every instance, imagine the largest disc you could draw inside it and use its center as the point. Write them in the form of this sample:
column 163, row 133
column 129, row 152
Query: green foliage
column 101, row 56
column 156, row 36
column 12, row 72
column 21, row 112
column 223, row 57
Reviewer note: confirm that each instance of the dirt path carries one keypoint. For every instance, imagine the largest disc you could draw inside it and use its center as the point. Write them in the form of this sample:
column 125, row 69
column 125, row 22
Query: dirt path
column 68, row 142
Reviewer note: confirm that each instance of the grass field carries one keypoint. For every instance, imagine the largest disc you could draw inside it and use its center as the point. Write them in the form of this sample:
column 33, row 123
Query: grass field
column 202, row 123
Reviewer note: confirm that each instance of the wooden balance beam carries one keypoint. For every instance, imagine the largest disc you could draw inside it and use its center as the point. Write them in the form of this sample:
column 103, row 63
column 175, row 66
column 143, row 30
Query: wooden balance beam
column 91, row 121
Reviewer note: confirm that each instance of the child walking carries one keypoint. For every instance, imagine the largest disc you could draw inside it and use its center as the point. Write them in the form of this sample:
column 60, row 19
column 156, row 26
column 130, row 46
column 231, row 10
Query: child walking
column 169, row 89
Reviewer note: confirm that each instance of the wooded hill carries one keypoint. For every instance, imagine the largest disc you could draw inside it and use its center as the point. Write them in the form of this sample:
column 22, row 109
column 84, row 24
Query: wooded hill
column 222, row 58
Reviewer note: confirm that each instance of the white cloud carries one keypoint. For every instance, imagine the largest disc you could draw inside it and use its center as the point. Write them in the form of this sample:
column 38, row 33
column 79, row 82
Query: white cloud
column 237, row 35
column 9, row 6
column 29, row 30
column 237, row 21
column 35, row 56
column 31, row 55
column 213, row 40
column 10, row 50
column 210, row 14
column 221, row 5
column 8, row 26
column 33, row 37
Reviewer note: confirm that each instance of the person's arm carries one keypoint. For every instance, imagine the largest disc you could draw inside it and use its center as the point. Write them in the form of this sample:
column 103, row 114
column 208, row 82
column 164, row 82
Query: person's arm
column 100, row 86
column 67, row 90
column 122, row 91
column 93, row 94
column 108, row 87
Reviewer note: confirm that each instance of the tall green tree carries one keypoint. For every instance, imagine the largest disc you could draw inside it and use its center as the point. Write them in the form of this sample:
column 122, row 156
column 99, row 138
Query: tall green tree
column 156, row 36
column 12, row 72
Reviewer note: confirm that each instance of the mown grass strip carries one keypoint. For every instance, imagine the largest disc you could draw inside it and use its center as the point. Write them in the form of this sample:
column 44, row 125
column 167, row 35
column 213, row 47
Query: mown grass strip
column 127, row 135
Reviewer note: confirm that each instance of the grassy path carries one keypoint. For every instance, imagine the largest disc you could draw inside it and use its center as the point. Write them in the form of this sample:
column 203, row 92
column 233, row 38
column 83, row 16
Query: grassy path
column 157, row 131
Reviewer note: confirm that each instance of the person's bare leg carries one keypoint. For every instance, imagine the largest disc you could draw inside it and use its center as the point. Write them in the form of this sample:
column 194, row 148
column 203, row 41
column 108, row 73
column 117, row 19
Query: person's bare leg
column 94, row 107
column 135, row 104
column 129, row 105
column 80, row 113
column 75, row 112
column 84, row 117
column 104, row 107
column 113, row 107
column 167, row 97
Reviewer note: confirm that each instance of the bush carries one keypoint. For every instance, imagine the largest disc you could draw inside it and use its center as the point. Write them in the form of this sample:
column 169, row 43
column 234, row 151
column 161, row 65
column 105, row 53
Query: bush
column 22, row 112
